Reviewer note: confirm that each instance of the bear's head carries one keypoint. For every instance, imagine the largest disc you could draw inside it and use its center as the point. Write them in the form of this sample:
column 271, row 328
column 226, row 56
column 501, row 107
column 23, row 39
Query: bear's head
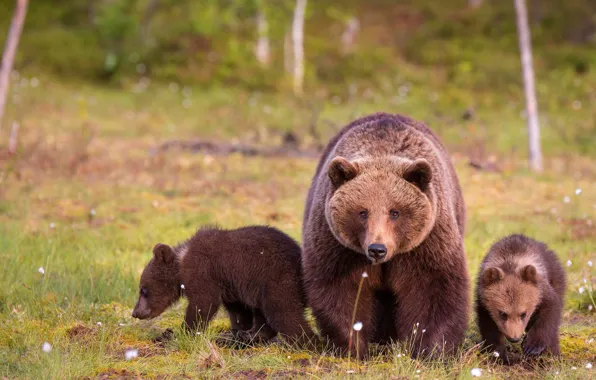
column 380, row 207
column 511, row 298
column 159, row 287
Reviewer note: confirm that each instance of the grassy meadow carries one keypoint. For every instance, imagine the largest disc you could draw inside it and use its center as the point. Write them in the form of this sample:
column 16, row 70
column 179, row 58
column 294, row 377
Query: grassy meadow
column 86, row 197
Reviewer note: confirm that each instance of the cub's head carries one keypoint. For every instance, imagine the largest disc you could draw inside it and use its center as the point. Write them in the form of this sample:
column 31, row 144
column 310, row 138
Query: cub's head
column 380, row 207
column 159, row 287
column 511, row 298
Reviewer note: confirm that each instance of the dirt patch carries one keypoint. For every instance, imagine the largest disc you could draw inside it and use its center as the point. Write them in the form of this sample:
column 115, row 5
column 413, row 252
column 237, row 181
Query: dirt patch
column 80, row 333
column 117, row 374
column 250, row 374
column 581, row 228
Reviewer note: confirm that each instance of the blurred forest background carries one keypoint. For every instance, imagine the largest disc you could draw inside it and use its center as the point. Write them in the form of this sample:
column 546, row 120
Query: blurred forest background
column 111, row 100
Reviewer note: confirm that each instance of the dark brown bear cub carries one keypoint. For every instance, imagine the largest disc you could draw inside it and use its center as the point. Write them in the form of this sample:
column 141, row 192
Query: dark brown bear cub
column 255, row 272
column 520, row 289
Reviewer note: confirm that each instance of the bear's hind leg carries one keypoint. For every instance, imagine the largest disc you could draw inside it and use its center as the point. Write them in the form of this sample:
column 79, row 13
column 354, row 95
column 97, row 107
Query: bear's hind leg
column 241, row 315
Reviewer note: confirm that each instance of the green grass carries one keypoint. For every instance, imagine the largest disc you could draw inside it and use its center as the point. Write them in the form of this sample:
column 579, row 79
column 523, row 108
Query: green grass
column 92, row 263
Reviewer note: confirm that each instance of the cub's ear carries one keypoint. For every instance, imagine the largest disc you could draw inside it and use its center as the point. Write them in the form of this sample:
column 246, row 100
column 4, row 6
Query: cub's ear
column 492, row 275
column 529, row 274
column 164, row 252
column 341, row 171
column 419, row 173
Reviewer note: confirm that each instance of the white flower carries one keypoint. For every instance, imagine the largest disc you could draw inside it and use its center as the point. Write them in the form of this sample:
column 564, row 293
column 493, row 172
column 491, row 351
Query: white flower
column 590, row 264
column 589, row 366
column 198, row 333
column 476, row 372
column 350, row 371
column 288, row 356
column 99, row 324
column 566, row 199
column 357, row 326
column 93, row 212
column 181, row 286
column 52, row 225
column 578, row 191
column 131, row 354
column 46, row 347
column 496, row 354
column 590, row 307
column 568, row 263
column 415, row 331
column 423, row 331
column 41, row 270
column 399, row 355
column 573, row 368
column 418, row 371
column 591, row 341
column 364, row 274
column 121, row 324
column 581, row 290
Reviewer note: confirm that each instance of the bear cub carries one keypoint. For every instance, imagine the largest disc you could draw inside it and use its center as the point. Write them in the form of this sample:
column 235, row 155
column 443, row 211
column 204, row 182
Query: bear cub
column 255, row 272
column 521, row 287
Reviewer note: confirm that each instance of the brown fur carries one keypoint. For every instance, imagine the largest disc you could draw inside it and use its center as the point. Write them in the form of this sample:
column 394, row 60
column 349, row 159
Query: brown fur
column 396, row 170
column 521, row 286
column 255, row 272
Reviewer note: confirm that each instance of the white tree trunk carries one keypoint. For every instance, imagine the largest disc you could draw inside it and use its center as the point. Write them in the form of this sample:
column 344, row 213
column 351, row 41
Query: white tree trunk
column 475, row 3
column 525, row 47
column 262, row 48
column 12, row 41
column 298, row 42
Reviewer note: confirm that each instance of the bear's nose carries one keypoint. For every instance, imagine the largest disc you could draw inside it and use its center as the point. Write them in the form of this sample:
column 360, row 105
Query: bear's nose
column 377, row 251
column 513, row 340
column 134, row 314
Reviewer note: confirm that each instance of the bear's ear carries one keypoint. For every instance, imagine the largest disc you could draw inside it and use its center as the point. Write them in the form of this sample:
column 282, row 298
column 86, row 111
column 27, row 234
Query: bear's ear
column 341, row 171
column 529, row 274
column 164, row 252
column 419, row 173
column 492, row 275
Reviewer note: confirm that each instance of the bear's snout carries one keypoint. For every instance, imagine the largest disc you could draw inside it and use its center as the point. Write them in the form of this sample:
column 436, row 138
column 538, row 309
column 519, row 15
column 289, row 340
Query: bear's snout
column 376, row 252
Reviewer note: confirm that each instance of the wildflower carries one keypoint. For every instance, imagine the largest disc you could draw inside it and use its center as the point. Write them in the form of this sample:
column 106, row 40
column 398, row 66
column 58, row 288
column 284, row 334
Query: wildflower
column 573, row 368
column 288, row 356
column 399, row 355
column 423, row 331
column 496, row 354
column 131, row 354
column 418, row 371
column 350, row 371
column 92, row 212
column 364, row 274
column 41, row 270
column 578, row 191
column 568, row 263
column 581, row 289
column 52, row 225
column 476, row 372
column 589, row 366
column 198, row 333
column 99, row 324
column 357, row 326
column 121, row 324
column 590, row 307
column 182, row 286
column 591, row 341
column 566, row 199
column 590, row 264
column 46, row 347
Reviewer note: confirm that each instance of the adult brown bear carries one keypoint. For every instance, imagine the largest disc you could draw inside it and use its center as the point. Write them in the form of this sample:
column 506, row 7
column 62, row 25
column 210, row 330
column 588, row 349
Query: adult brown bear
column 385, row 200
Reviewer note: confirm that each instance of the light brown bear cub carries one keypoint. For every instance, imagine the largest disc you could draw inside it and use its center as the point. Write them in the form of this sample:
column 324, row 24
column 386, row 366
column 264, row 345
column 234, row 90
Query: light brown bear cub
column 521, row 287
column 255, row 272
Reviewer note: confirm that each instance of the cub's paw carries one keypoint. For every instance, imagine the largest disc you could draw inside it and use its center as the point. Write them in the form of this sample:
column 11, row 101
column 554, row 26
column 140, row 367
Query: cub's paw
column 533, row 345
column 164, row 337
column 231, row 339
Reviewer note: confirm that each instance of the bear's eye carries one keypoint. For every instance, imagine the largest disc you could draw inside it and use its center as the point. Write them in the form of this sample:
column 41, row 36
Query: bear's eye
column 144, row 292
column 363, row 215
column 394, row 214
column 503, row 315
column 523, row 315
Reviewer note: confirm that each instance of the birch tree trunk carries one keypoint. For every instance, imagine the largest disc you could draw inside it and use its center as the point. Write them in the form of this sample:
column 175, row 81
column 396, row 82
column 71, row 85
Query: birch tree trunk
column 298, row 42
column 288, row 64
column 12, row 41
column 262, row 48
column 525, row 47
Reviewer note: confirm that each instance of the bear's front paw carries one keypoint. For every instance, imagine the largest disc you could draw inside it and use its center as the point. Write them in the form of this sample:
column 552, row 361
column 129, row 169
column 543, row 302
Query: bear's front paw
column 533, row 345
